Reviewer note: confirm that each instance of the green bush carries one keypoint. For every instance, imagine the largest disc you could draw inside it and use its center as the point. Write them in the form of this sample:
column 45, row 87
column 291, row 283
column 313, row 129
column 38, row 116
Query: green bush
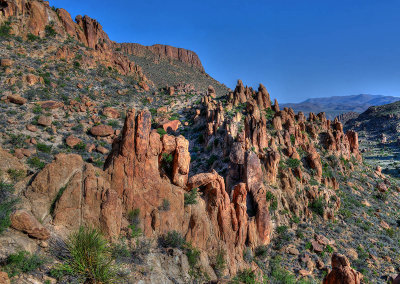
column 274, row 205
column 5, row 29
column 35, row 162
column 246, row 276
column 161, row 131
column 173, row 239
column 50, row 31
column 32, row 37
column 165, row 206
column 7, row 205
column 16, row 175
column 269, row 196
column 37, row 109
column 90, row 257
column 261, row 251
column 211, row 160
column 134, row 220
column 279, row 274
column 220, row 262
column 166, row 163
column 193, row 255
column 247, row 255
column 293, row 163
column 22, row 262
column 43, row 147
column 191, row 197
column 60, row 270
column 317, row 206
column 269, row 114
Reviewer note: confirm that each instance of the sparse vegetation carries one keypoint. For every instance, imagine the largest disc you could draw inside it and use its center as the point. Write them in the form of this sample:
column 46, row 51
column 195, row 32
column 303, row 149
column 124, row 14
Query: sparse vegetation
column 7, row 205
column 90, row 257
column 22, row 262
column 191, row 197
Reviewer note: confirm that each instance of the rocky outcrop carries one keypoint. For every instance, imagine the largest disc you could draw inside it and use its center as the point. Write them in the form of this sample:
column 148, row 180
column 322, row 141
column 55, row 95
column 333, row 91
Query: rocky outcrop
column 4, row 278
column 22, row 220
column 342, row 272
column 72, row 193
column 163, row 52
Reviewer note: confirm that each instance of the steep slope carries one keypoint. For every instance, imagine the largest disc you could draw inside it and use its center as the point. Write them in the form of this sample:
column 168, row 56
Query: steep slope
column 379, row 128
column 336, row 105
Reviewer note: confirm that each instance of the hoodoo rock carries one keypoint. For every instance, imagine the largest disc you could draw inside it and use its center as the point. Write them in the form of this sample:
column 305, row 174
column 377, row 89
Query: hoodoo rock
column 342, row 271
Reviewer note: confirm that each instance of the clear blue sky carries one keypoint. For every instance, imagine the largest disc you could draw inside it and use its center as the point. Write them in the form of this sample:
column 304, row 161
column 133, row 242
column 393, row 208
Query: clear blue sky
column 297, row 48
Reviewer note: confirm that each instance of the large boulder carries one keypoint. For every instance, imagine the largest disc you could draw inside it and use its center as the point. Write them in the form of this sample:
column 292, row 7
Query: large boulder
column 4, row 278
column 102, row 130
column 23, row 221
column 342, row 272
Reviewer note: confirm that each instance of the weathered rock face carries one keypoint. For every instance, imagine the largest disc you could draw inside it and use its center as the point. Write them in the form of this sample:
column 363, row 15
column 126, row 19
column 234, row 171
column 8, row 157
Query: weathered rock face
column 84, row 197
column 4, row 278
column 342, row 271
column 163, row 52
column 22, row 220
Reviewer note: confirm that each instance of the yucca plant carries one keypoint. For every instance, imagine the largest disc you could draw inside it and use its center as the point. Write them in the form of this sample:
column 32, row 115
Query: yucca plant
column 90, row 256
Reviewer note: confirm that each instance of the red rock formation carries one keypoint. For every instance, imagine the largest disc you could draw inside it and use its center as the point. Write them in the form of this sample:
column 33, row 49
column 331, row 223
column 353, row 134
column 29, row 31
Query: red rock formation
column 160, row 52
column 24, row 221
column 342, row 272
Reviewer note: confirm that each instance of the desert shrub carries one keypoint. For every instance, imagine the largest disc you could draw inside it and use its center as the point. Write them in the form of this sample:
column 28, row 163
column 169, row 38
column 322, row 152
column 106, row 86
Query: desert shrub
column 18, row 141
column 90, row 257
column 279, row 274
column 269, row 196
column 193, row 255
column 220, row 262
column 113, row 123
column 35, row 162
column 134, row 220
column 211, row 160
column 5, row 29
column 246, row 276
column 247, row 255
column 16, row 175
column 22, row 262
column 317, row 206
column 274, row 205
column 191, row 197
column 165, row 206
column 292, row 139
column 293, row 163
column 120, row 251
column 80, row 146
column 166, row 163
column 37, row 109
column 43, row 147
column 269, row 114
column 50, row 31
column 60, row 271
column 7, row 205
column 172, row 239
column 161, row 131
column 32, row 37
column 261, row 251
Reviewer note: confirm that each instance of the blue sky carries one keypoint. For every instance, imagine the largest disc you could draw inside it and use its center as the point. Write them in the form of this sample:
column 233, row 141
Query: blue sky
column 297, row 48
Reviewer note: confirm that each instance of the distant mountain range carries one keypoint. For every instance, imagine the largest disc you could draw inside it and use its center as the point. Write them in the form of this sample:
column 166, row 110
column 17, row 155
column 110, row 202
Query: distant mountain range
column 336, row 105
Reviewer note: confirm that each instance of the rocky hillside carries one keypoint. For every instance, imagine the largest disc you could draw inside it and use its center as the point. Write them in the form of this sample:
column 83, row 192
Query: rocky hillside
column 337, row 105
column 108, row 178
column 379, row 129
